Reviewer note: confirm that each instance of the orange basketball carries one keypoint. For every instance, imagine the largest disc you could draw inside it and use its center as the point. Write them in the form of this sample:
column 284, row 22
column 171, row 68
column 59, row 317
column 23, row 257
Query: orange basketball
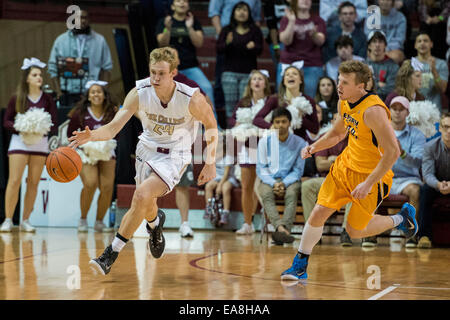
column 63, row 164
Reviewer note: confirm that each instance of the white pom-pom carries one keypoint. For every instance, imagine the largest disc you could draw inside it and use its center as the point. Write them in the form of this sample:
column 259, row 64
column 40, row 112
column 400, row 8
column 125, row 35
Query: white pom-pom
column 244, row 115
column 257, row 107
column 299, row 105
column 423, row 115
column 35, row 120
column 85, row 159
column 99, row 150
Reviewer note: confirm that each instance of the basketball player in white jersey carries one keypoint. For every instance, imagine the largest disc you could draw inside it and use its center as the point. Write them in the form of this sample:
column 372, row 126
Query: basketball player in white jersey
column 169, row 112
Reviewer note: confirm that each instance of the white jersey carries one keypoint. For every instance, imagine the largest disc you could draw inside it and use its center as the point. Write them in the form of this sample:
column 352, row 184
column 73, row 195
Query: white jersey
column 169, row 126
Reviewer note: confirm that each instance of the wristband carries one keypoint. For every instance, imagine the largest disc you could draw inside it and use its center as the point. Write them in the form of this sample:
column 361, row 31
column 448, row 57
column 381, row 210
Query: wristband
column 437, row 79
column 403, row 155
column 165, row 30
column 276, row 47
column 441, row 18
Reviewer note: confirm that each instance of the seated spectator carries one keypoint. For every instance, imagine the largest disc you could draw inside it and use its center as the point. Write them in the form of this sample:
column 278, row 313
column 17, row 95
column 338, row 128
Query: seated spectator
column 436, row 174
column 435, row 71
column 280, row 174
column 184, row 32
column 241, row 42
column 407, row 179
column 329, row 11
column 345, row 27
column 303, row 35
column 255, row 95
column 393, row 24
column 311, row 187
column 72, row 45
column 384, row 69
column 408, row 82
column 327, row 98
column 291, row 88
column 221, row 186
column 344, row 50
column 273, row 12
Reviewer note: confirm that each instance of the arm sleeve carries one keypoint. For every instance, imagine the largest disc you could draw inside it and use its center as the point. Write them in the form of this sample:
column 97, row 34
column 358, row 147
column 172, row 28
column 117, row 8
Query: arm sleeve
column 414, row 158
column 51, row 65
column 10, row 114
column 270, row 104
column 262, row 165
column 297, row 170
column 106, row 56
column 215, row 8
column 221, row 44
column 74, row 124
column 310, row 121
column 399, row 34
column 428, row 168
column 51, row 106
column 256, row 11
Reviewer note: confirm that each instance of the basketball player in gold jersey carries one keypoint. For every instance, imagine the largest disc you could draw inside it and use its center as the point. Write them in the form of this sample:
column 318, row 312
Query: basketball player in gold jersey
column 361, row 174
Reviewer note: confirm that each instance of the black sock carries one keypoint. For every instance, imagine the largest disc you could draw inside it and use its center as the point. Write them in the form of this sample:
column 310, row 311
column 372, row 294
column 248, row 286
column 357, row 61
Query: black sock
column 302, row 255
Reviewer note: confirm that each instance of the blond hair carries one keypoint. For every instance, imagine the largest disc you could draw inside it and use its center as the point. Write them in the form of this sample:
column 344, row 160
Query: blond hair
column 361, row 70
column 167, row 54
column 403, row 83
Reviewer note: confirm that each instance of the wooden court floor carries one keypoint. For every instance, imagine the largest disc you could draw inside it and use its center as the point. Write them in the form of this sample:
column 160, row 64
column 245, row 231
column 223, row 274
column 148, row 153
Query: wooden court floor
column 53, row 264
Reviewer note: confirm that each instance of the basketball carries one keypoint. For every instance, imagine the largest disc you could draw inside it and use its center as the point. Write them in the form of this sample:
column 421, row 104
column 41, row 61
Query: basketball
column 63, row 164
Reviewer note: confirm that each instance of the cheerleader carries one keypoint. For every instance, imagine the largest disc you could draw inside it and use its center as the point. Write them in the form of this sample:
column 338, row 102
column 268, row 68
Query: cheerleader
column 94, row 110
column 255, row 95
column 31, row 114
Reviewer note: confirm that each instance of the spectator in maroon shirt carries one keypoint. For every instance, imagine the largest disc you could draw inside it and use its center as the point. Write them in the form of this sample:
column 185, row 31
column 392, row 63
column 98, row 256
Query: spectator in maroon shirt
column 96, row 109
column 303, row 36
column 292, row 86
column 21, row 153
column 241, row 42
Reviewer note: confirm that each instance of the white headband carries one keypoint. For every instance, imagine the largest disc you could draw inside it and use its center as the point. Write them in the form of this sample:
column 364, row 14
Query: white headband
column 33, row 62
column 90, row 83
column 264, row 73
column 416, row 64
column 297, row 64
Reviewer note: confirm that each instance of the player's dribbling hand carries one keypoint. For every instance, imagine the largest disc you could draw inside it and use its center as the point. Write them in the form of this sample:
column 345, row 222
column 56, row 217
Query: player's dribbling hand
column 207, row 174
column 307, row 152
column 80, row 137
column 361, row 191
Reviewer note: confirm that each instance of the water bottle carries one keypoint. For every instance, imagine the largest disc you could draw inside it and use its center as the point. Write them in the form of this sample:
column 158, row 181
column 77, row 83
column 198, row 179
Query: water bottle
column 112, row 214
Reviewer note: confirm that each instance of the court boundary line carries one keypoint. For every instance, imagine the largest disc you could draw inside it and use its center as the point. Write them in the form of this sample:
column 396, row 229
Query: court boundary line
column 384, row 292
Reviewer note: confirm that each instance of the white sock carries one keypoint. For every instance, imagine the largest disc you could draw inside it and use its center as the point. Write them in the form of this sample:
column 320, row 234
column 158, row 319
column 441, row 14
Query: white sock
column 310, row 236
column 118, row 244
column 154, row 223
column 397, row 218
column 8, row 219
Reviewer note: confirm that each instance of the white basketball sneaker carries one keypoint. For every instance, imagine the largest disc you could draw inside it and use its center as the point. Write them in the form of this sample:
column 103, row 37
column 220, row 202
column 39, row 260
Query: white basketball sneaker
column 186, row 230
column 246, row 229
column 6, row 226
column 25, row 226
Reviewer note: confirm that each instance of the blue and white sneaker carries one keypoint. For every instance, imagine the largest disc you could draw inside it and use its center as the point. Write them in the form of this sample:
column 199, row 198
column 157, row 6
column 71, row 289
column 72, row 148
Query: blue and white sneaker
column 409, row 225
column 297, row 271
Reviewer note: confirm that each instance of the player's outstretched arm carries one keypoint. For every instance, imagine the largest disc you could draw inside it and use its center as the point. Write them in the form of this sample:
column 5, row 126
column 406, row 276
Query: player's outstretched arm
column 110, row 130
column 376, row 119
column 329, row 139
column 201, row 110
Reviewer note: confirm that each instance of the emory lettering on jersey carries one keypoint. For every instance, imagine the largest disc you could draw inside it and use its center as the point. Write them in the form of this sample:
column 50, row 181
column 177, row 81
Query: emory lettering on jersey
column 350, row 122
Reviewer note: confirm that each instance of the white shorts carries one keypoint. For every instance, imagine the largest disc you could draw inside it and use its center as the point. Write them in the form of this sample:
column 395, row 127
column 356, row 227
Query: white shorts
column 16, row 145
column 398, row 184
column 168, row 166
column 232, row 180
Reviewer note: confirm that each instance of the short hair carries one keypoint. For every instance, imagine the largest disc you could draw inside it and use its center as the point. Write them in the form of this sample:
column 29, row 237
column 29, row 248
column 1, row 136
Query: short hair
column 166, row 54
column 360, row 69
column 443, row 116
column 343, row 41
column 424, row 33
column 378, row 35
column 281, row 112
column 345, row 4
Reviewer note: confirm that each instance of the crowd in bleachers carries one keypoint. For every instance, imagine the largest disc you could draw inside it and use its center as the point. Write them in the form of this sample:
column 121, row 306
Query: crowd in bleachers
column 401, row 41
